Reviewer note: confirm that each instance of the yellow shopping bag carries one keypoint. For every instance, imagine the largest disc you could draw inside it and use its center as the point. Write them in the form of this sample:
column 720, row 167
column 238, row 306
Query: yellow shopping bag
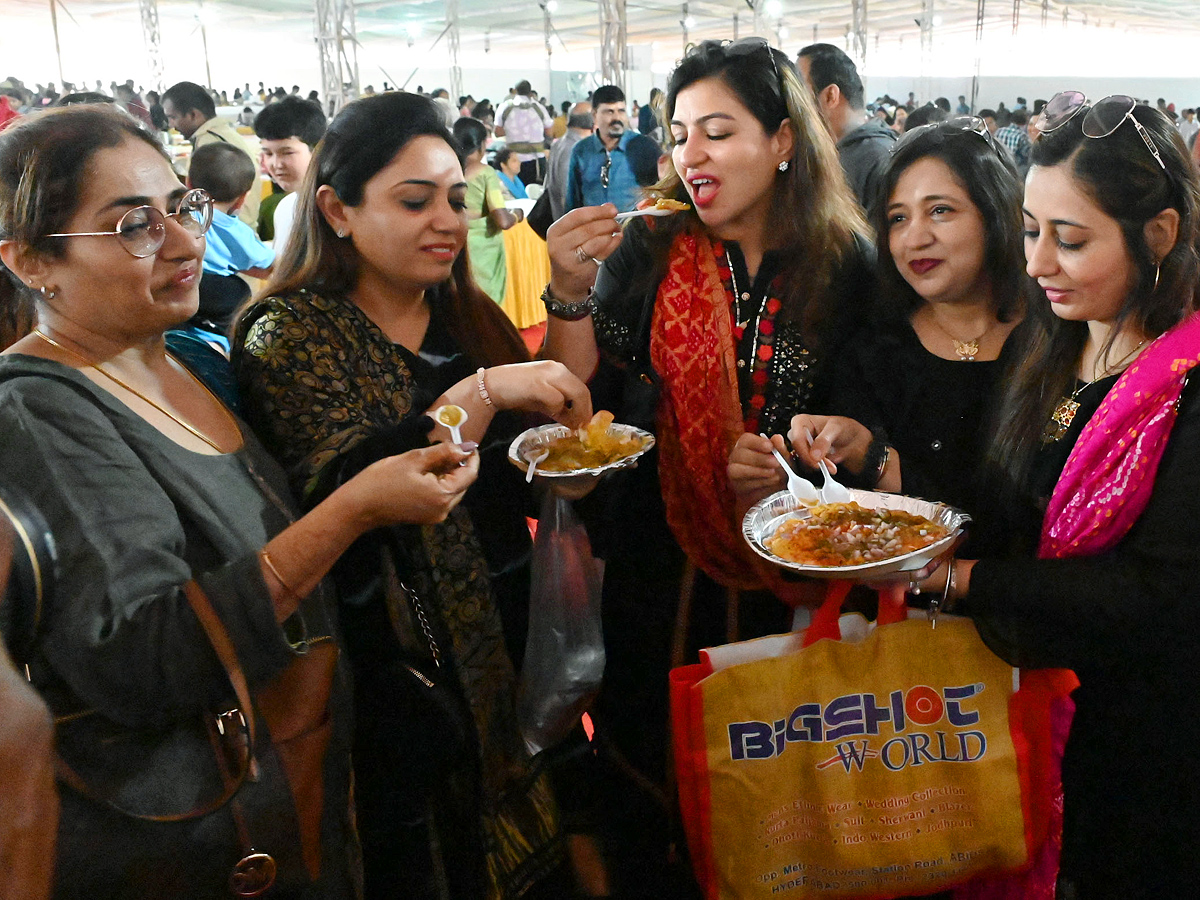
column 886, row 767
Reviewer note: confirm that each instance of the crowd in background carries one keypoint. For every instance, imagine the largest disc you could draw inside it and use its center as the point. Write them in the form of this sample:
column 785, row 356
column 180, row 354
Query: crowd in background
column 966, row 305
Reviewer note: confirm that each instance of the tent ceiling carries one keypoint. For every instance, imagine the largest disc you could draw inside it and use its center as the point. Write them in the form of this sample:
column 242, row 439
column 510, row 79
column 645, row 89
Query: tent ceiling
column 517, row 25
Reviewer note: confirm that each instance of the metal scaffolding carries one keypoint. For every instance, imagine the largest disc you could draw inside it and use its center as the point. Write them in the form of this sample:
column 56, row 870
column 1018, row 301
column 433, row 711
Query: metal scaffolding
column 337, row 46
column 860, row 30
column 614, row 55
column 452, row 41
column 150, row 31
column 979, row 11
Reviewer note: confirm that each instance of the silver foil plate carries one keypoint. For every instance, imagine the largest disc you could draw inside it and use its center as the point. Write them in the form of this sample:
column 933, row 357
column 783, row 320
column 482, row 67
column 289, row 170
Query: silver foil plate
column 766, row 516
column 529, row 443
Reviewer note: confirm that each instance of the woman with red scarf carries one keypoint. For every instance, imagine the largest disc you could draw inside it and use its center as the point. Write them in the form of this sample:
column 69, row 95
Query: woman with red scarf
column 1098, row 459
column 718, row 321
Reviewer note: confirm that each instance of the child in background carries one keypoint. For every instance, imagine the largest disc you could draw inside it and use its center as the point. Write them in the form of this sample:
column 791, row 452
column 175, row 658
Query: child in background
column 288, row 129
column 228, row 175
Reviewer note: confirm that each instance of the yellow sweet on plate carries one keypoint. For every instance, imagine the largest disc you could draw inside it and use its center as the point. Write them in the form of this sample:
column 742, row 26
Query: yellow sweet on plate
column 590, row 447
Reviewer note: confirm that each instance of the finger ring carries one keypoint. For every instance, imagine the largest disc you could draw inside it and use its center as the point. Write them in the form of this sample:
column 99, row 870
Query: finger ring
column 581, row 254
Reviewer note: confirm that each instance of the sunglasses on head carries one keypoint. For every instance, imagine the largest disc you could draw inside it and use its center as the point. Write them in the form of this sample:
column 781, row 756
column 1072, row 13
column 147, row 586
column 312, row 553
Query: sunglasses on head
column 143, row 229
column 750, row 45
column 1103, row 118
column 972, row 124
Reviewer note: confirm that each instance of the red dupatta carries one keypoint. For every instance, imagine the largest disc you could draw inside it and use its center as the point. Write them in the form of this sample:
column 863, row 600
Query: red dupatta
column 700, row 419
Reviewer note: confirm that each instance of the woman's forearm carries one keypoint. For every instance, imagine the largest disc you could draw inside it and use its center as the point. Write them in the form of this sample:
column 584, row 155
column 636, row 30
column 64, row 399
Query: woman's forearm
column 573, row 344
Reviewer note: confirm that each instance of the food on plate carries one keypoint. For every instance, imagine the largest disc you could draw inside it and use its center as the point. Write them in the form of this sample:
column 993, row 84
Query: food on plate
column 846, row 534
column 668, row 203
column 590, row 447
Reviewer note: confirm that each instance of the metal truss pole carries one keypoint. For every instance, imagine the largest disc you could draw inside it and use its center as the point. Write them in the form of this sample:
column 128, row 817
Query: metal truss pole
column 926, row 48
column 613, row 51
column 979, row 10
column 150, row 31
column 337, row 47
column 859, row 9
column 452, row 39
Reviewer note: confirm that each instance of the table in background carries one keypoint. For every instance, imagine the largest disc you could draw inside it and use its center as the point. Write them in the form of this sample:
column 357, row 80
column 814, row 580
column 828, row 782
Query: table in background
column 528, row 264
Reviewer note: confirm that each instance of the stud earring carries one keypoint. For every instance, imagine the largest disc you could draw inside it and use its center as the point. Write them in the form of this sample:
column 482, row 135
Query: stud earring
column 341, row 233
column 48, row 294
column 783, row 166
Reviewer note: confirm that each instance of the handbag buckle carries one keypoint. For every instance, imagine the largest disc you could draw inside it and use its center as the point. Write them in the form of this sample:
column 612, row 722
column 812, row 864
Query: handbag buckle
column 253, row 875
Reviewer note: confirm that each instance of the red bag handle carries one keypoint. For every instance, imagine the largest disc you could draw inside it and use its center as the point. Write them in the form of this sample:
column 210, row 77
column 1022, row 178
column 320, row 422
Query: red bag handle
column 892, row 609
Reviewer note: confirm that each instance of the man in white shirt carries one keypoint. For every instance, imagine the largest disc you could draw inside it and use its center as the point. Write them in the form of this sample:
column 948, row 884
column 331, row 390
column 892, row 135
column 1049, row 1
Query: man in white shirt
column 525, row 125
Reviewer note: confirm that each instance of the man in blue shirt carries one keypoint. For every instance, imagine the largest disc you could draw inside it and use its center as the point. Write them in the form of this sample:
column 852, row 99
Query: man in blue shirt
column 614, row 163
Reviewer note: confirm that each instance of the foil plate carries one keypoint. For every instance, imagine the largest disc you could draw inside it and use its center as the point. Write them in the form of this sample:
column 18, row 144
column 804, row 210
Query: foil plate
column 529, row 443
column 765, row 517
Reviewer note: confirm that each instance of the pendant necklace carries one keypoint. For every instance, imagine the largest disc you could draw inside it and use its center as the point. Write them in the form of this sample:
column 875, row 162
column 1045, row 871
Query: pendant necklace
column 966, row 350
column 1064, row 413
column 166, row 412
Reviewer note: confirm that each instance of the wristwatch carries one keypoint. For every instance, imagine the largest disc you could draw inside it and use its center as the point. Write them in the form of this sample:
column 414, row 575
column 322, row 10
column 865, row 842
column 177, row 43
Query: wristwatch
column 568, row 312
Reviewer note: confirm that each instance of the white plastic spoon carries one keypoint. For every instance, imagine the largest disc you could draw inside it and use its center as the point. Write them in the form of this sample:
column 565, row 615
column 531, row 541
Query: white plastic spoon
column 831, row 491
column 801, row 488
column 534, row 462
column 453, row 417
column 648, row 211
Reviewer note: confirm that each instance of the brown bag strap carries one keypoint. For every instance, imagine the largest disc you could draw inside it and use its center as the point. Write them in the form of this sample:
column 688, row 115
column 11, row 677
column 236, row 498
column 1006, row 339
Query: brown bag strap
column 242, row 716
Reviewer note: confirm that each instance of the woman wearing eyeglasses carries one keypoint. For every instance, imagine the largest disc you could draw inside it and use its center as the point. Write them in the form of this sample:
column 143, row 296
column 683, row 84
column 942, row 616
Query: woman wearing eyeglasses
column 1097, row 466
column 736, row 308
column 148, row 483
column 915, row 390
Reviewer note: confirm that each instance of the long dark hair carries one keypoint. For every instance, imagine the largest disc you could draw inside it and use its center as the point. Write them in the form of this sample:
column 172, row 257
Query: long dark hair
column 814, row 213
column 44, row 162
column 1125, row 181
column 991, row 181
column 362, row 140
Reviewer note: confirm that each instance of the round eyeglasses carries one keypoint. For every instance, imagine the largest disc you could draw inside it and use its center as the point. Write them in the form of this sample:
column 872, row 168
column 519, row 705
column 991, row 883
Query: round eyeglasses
column 143, row 230
column 1102, row 119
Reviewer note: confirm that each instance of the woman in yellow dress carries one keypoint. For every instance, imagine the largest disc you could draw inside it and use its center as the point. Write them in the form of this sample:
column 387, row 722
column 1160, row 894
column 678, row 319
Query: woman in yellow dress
column 485, row 209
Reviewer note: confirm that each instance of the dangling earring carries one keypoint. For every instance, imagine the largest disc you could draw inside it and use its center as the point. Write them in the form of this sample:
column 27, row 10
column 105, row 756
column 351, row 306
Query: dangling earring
column 1157, row 272
column 48, row 294
column 783, row 166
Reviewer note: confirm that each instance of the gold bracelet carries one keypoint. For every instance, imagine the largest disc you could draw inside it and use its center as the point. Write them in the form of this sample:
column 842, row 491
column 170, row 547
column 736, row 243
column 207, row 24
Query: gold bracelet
column 287, row 588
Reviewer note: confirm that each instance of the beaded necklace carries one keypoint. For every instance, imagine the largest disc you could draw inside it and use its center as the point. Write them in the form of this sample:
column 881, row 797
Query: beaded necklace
column 762, row 347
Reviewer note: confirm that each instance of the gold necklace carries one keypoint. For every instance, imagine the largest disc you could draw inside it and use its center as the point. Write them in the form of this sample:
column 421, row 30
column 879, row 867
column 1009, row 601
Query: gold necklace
column 166, row 412
column 1064, row 413
column 966, row 350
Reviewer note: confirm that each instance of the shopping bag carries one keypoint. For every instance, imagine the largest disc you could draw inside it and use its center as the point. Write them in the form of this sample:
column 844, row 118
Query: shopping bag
column 564, row 651
column 898, row 764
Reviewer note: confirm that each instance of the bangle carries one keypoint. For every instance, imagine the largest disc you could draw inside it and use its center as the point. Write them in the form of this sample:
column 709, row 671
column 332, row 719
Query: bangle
column 567, row 312
column 266, row 560
column 936, row 606
column 482, row 385
column 875, row 461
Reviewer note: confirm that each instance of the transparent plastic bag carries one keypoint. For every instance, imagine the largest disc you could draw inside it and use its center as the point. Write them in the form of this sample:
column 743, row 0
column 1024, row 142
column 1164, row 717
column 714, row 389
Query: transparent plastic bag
column 564, row 653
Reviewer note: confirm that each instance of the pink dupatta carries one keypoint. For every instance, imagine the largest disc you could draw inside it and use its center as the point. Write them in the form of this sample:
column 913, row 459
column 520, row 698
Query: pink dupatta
column 1101, row 493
